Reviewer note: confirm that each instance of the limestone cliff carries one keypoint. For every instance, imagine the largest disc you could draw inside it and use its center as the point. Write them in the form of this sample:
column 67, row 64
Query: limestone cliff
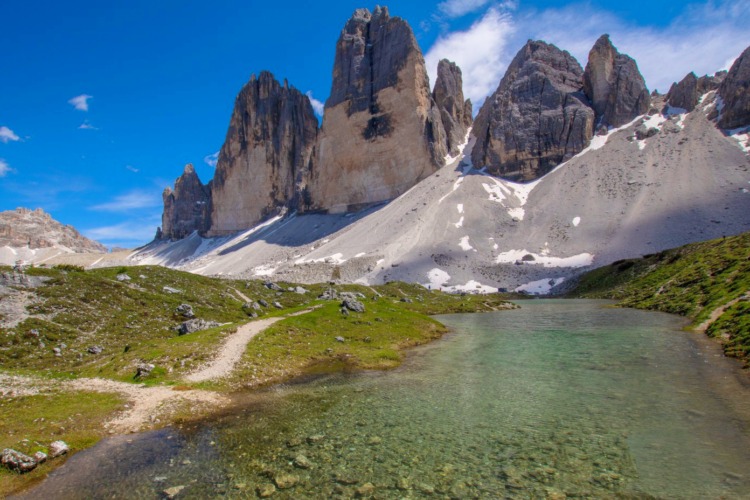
column 382, row 132
column 265, row 157
column 37, row 229
column 455, row 112
column 735, row 92
column 614, row 85
column 187, row 207
column 537, row 118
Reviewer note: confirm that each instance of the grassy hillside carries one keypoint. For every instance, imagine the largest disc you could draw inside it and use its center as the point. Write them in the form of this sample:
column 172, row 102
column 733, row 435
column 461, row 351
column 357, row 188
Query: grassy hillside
column 709, row 282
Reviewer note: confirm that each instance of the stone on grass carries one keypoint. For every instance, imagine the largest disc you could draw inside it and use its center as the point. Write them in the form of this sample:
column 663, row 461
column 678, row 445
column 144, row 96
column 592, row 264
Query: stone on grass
column 285, row 481
column 266, row 490
column 17, row 461
column 186, row 311
column 195, row 325
column 143, row 370
column 57, row 448
column 123, row 277
column 173, row 491
column 353, row 305
column 40, row 457
column 95, row 349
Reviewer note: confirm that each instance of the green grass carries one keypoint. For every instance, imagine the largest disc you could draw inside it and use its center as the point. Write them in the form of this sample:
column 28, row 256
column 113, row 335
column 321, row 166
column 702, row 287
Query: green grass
column 693, row 281
column 30, row 423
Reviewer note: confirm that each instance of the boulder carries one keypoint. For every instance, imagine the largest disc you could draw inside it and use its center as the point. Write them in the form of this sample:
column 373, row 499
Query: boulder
column 58, row 448
column 353, row 305
column 187, row 207
column 537, row 118
column 195, row 325
column 455, row 111
column 380, row 105
column 17, row 461
column 122, row 277
column 186, row 311
column 614, row 85
column 266, row 155
column 735, row 94
column 95, row 349
column 143, row 370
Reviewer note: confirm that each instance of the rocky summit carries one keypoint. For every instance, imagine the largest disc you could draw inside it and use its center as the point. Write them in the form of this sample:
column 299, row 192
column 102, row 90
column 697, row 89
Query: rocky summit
column 686, row 93
column 735, row 94
column 265, row 157
column 187, row 207
column 614, row 85
column 380, row 105
column 36, row 229
column 537, row 118
column 455, row 112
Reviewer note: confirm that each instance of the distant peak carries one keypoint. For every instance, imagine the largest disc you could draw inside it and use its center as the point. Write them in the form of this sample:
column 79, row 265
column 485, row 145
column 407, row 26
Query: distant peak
column 189, row 169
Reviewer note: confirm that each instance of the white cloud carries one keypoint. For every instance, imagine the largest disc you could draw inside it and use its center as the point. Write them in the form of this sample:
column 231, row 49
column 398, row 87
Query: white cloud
column 80, row 102
column 128, row 234
column 132, row 169
column 4, row 168
column 317, row 105
column 482, row 53
column 133, row 200
column 212, row 159
column 458, row 8
column 7, row 135
column 87, row 126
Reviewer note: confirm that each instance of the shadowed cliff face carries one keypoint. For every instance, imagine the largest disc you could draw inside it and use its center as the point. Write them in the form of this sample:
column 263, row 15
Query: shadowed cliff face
column 735, row 92
column 614, row 85
column 687, row 92
column 455, row 112
column 382, row 132
column 266, row 155
column 537, row 118
column 187, row 208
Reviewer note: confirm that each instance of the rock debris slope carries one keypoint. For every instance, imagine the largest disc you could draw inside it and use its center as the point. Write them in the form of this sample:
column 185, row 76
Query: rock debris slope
column 380, row 104
column 537, row 118
column 464, row 229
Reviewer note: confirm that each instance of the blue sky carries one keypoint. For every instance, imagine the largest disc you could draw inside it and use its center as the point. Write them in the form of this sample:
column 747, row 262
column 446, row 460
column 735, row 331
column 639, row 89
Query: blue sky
column 103, row 103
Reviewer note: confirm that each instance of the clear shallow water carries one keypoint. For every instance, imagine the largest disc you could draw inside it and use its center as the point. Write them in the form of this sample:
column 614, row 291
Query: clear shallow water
column 559, row 398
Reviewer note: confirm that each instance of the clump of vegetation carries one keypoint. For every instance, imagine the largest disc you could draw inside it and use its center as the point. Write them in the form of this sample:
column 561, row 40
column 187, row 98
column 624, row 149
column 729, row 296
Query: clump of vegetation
column 696, row 280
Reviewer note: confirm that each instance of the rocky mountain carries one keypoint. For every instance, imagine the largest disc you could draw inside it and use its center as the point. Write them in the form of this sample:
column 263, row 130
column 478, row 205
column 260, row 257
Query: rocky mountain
column 537, row 118
column 614, row 85
column 735, row 94
column 187, row 207
column 380, row 104
column 266, row 155
column 686, row 93
column 25, row 233
column 455, row 112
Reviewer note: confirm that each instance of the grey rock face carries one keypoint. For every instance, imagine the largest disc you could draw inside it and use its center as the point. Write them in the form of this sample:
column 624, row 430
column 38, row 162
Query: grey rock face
column 614, row 85
column 735, row 92
column 353, row 305
column 195, row 325
column 537, row 118
column 266, row 156
column 455, row 112
column 688, row 91
column 187, row 207
column 380, row 105
column 37, row 229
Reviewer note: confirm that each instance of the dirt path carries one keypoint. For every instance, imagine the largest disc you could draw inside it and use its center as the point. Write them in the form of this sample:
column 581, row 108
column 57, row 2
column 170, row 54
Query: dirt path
column 716, row 313
column 148, row 404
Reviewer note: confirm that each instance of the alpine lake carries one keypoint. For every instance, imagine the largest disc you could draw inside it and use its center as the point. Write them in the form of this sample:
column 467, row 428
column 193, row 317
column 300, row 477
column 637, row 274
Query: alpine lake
column 557, row 399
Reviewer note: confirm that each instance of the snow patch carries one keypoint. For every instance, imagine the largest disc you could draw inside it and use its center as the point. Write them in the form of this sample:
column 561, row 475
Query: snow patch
column 576, row 221
column 465, row 245
column 742, row 136
column 437, row 278
column 539, row 287
column 460, row 208
column 360, row 254
column 450, row 159
column 460, row 223
column 337, row 258
column 265, row 270
column 517, row 213
column 516, row 256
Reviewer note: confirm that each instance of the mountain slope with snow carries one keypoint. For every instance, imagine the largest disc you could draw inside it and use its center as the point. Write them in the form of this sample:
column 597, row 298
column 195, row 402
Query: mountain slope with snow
column 462, row 229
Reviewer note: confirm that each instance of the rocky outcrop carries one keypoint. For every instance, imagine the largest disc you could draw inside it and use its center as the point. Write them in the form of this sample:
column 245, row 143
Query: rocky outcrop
column 686, row 94
column 455, row 112
column 614, row 85
column 187, row 207
column 735, row 93
column 537, row 118
column 381, row 132
column 266, row 155
column 37, row 229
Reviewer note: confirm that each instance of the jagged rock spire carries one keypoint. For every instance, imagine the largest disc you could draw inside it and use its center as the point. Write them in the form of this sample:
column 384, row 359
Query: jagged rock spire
column 455, row 112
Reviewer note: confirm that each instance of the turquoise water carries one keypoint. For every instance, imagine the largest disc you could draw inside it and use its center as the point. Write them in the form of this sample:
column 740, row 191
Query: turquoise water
column 556, row 399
